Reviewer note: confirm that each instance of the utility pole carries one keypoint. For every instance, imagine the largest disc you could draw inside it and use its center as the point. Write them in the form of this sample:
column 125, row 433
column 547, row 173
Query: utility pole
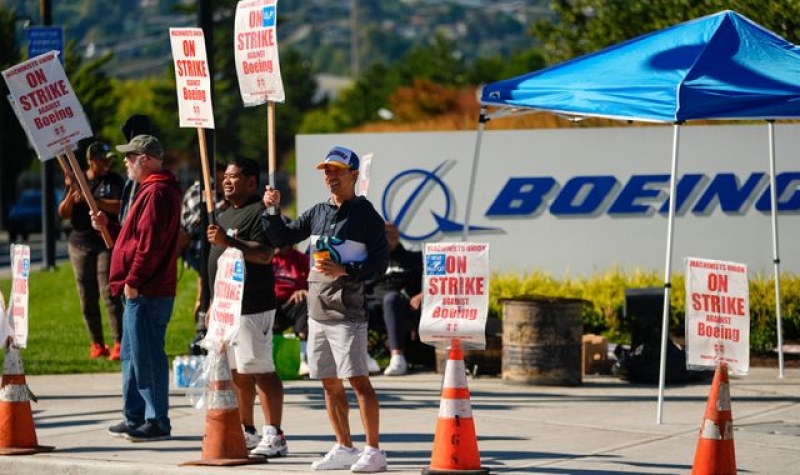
column 48, row 186
column 206, row 22
column 354, row 62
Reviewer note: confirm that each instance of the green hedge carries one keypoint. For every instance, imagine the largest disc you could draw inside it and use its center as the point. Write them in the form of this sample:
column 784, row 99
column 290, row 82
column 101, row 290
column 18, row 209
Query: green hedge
column 605, row 296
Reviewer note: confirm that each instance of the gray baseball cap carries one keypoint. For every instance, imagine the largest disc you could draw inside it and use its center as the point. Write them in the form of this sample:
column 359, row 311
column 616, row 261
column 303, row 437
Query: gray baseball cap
column 144, row 144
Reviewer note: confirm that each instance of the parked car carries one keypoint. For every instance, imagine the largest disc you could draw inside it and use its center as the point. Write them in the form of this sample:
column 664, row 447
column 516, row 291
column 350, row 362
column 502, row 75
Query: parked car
column 25, row 216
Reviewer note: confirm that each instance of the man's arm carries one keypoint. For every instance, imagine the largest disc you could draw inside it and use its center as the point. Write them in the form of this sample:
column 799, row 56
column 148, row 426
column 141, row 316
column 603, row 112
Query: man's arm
column 253, row 251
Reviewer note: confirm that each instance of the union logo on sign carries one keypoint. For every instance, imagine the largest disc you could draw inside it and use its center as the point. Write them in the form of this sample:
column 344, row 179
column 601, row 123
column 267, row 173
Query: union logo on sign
column 268, row 15
column 238, row 271
column 434, row 264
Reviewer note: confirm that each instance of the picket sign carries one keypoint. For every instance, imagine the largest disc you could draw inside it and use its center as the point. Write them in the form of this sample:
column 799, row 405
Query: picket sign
column 717, row 315
column 255, row 40
column 193, row 86
column 48, row 109
column 455, row 301
column 364, row 172
column 14, row 324
column 225, row 311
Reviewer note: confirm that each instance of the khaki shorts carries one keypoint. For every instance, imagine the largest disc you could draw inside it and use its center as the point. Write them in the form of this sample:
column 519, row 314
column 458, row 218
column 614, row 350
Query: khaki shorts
column 251, row 350
column 337, row 349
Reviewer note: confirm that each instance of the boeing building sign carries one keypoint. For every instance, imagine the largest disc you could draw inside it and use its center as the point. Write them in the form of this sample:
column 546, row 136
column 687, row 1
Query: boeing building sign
column 579, row 201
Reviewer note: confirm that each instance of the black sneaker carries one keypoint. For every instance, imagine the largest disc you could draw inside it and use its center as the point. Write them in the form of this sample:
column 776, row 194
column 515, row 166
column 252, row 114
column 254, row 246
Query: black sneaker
column 122, row 429
column 147, row 432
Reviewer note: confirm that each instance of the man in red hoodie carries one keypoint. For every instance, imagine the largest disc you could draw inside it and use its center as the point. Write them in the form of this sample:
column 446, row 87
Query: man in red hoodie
column 144, row 270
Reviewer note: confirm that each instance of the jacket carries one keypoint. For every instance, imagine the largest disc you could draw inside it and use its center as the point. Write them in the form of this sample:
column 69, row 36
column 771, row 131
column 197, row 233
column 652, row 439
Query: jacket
column 146, row 247
column 354, row 236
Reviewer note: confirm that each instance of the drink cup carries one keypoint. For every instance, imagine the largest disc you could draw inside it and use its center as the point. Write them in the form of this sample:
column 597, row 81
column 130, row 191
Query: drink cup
column 320, row 255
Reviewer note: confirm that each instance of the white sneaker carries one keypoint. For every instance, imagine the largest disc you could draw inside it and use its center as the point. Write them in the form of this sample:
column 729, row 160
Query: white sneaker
column 339, row 458
column 251, row 440
column 371, row 460
column 372, row 365
column 397, row 366
column 272, row 444
column 304, row 369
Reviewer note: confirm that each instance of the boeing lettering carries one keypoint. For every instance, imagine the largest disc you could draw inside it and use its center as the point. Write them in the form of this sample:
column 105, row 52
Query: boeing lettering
column 644, row 195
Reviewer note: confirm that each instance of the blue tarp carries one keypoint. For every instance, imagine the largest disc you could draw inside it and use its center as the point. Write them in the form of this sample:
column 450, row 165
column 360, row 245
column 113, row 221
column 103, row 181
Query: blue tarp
column 722, row 66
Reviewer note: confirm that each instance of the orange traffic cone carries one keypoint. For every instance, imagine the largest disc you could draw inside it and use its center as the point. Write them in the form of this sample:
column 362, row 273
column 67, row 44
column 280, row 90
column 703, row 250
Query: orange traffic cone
column 17, row 431
column 715, row 451
column 455, row 447
column 223, row 441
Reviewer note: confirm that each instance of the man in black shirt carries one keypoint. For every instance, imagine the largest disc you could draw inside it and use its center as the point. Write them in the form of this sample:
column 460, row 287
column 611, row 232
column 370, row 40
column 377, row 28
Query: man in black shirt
column 239, row 226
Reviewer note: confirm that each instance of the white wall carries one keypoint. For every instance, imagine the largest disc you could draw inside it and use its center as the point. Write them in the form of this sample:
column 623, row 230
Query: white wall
column 578, row 244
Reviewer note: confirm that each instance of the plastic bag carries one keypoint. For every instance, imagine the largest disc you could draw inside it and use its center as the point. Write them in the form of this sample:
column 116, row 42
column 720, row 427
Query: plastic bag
column 196, row 390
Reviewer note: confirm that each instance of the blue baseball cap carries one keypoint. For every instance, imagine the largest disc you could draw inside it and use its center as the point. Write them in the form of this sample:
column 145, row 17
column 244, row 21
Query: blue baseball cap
column 340, row 157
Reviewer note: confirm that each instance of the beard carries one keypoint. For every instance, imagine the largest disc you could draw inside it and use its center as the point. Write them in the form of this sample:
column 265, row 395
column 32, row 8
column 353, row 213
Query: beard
column 135, row 171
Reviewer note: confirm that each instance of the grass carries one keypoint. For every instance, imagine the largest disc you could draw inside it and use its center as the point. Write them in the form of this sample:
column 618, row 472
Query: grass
column 58, row 342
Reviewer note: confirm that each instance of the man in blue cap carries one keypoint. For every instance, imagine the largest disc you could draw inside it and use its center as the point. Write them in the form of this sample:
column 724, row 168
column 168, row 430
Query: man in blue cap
column 349, row 246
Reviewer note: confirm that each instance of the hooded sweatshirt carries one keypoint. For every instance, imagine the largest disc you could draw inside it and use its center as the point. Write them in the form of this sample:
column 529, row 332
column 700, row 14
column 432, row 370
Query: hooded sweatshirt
column 146, row 248
column 354, row 236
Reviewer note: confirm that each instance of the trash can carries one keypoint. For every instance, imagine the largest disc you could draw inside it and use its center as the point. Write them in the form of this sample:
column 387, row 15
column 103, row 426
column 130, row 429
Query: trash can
column 542, row 341
column 643, row 312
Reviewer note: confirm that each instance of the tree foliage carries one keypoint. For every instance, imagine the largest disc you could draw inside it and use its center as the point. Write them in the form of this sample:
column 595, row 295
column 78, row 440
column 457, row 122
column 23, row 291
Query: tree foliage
column 426, row 80
column 14, row 153
column 243, row 131
column 584, row 26
column 92, row 87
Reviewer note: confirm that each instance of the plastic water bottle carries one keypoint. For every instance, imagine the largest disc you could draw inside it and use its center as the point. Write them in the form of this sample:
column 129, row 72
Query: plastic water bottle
column 177, row 371
column 191, row 369
column 182, row 371
column 187, row 372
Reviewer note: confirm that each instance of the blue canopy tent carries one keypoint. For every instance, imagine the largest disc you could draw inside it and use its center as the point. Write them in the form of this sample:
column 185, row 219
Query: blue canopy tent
column 722, row 66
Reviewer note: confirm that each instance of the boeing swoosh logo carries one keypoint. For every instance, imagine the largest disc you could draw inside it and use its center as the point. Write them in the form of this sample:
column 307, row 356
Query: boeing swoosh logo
column 424, row 187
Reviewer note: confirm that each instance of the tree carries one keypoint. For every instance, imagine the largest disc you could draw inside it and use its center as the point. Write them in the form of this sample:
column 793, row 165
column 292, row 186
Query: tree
column 436, row 62
column 422, row 100
column 92, row 86
column 584, row 26
column 494, row 68
column 243, row 131
column 15, row 155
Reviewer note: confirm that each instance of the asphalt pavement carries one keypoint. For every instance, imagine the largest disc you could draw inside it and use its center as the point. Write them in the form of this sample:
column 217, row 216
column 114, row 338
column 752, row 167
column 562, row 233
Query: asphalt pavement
column 604, row 426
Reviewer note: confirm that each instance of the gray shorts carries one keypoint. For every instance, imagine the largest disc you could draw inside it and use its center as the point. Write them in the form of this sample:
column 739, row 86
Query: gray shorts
column 251, row 350
column 337, row 349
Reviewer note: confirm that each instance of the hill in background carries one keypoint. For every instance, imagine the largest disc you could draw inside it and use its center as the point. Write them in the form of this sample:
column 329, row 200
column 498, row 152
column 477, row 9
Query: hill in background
column 136, row 30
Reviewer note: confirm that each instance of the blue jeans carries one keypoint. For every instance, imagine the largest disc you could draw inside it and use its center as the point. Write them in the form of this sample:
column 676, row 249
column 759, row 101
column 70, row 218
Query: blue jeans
column 145, row 370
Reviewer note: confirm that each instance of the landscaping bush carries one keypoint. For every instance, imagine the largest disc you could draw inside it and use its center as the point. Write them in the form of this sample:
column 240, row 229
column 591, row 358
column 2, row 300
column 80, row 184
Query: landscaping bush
column 605, row 297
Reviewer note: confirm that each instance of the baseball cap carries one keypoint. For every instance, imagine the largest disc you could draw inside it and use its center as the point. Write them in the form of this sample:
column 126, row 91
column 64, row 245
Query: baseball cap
column 96, row 150
column 340, row 157
column 146, row 144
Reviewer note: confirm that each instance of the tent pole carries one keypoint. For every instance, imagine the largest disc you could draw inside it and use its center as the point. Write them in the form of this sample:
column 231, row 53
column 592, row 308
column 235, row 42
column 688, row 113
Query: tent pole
column 776, row 261
column 481, row 126
column 662, row 371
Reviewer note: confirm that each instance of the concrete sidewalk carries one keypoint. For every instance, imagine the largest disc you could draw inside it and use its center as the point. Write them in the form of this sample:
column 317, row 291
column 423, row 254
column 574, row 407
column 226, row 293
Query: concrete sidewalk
column 605, row 426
